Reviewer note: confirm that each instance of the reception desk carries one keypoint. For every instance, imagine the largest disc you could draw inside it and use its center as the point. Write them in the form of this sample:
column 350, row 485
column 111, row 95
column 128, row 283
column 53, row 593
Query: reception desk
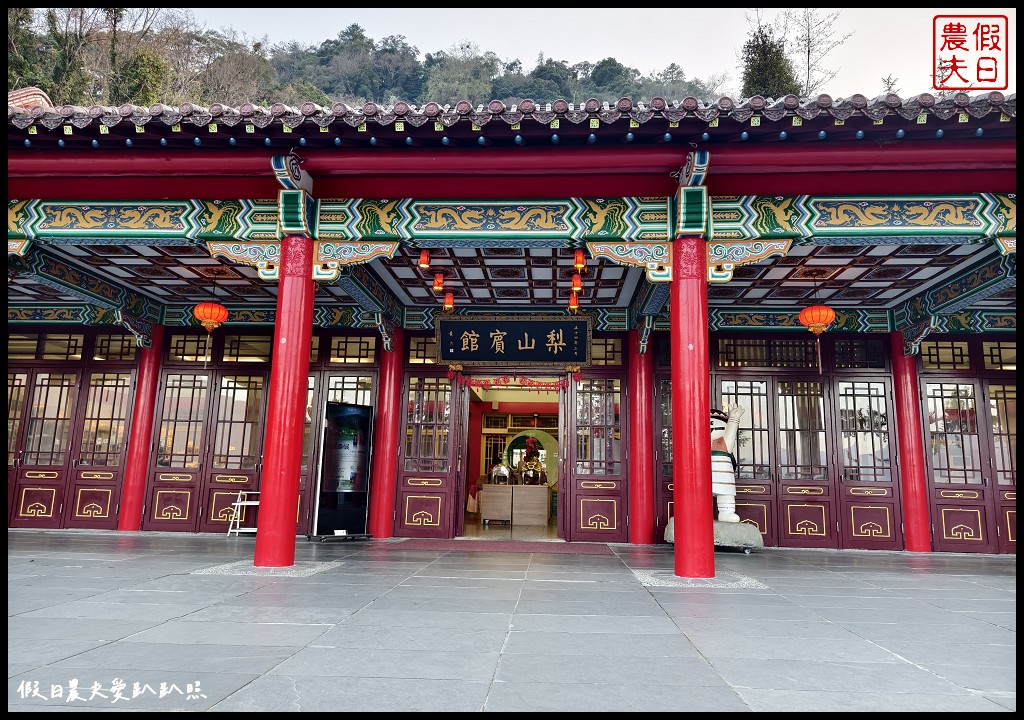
column 517, row 504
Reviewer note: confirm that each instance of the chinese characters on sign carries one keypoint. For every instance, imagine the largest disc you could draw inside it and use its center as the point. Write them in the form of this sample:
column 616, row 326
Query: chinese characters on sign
column 490, row 340
column 970, row 52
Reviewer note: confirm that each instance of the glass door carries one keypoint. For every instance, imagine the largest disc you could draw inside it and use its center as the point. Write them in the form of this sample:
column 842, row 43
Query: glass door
column 595, row 484
column 235, row 453
column 42, row 464
column 427, row 494
column 99, row 451
column 1002, row 404
column 961, row 477
column 869, row 497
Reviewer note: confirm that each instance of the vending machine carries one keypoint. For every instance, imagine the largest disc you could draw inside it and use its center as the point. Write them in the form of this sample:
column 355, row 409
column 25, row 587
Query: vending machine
column 343, row 497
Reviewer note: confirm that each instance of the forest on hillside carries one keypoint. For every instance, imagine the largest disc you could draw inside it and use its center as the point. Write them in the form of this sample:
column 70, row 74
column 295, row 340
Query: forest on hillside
column 142, row 56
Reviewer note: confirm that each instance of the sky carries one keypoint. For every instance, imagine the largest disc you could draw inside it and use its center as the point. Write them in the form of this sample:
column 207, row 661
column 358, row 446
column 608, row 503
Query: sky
column 895, row 42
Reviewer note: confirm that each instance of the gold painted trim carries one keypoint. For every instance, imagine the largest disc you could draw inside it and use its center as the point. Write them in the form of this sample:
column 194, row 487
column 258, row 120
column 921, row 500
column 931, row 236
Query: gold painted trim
column 425, row 482
column 967, row 494
column 1011, row 525
column 163, row 510
column 597, row 485
column 97, row 476
column 231, row 478
column 169, row 477
column 806, row 527
column 866, row 529
column 1010, row 496
column 422, row 518
column 961, row 531
column 610, row 524
column 805, row 491
column 762, row 527
column 41, row 474
column 36, row 514
column 869, row 492
column 103, row 512
column 751, row 489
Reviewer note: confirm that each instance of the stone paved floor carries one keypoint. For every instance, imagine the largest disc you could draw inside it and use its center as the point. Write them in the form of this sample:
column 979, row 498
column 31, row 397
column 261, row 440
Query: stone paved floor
column 103, row 621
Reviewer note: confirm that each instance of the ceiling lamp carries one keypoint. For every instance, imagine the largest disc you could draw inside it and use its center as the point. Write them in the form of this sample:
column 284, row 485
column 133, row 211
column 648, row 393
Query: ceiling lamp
column 577, row 283
column 579, row 262
column 424, row 259
column 817, row 318
column 449, row 302
column 210, row 315
column 438, row 282
column 574, row 302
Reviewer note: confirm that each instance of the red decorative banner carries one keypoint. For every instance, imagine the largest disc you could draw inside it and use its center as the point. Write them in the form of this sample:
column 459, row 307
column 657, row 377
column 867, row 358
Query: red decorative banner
column 513, row 381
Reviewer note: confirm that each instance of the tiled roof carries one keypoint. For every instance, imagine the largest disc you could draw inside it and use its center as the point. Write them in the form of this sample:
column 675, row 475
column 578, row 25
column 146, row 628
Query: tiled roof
column 977, row 106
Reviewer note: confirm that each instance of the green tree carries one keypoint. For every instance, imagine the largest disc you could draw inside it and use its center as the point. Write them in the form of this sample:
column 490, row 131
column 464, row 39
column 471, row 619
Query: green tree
column 511, row 88
column 813, row 36
column 347, row 69
column 672, row 84
column 557, row 76
column 134, row 70
column 400, row 74
column 70, row 32
column 461, row 73
column 767, row 70
column 27, row 55
column 241, row 72
column 613, row 80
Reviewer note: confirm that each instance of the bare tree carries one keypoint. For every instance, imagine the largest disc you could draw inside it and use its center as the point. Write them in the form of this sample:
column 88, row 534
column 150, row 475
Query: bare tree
column 813, row 38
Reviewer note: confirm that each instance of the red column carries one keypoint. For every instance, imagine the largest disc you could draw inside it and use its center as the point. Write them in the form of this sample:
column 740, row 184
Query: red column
column 137, row 461
column 385, row 441
column 693, row 526
column 917, row 535
column 289, row 381
column 641, row 444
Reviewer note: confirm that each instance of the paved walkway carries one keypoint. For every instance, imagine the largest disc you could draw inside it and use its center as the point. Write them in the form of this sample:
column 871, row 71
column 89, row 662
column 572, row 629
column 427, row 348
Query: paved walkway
column 172, row 622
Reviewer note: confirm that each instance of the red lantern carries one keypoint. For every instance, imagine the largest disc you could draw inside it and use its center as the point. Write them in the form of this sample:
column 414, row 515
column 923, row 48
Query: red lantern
column 574, row 302
column 577, row 283
column 449, row 302
column 210, row 315
column 817, row 318
column 579, row 262
column 438, row 282
column 424, row 259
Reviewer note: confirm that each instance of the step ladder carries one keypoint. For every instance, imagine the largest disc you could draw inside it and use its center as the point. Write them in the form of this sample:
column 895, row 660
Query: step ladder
column 246, row 498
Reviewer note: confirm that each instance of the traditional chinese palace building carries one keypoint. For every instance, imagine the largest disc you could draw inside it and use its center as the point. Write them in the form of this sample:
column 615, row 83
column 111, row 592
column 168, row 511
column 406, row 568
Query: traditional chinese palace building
column 397, row 297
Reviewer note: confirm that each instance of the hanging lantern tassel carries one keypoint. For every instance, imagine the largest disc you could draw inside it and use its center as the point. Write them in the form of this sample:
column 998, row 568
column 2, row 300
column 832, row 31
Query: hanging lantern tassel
column 817, row 318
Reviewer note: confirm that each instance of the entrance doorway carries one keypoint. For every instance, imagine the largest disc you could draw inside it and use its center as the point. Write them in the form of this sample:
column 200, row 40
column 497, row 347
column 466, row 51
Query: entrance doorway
column 457, row 420
column 511, row 449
